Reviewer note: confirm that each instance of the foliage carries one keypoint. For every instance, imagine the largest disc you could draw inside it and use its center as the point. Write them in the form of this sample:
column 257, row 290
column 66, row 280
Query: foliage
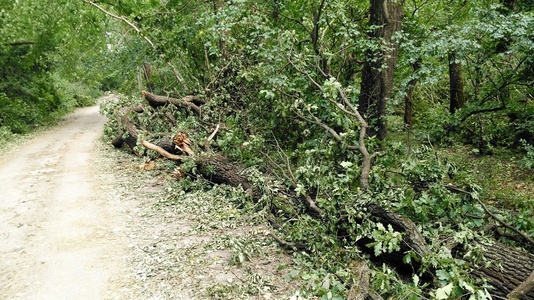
column 275, row 75
column 527, row 161
column 46, row 71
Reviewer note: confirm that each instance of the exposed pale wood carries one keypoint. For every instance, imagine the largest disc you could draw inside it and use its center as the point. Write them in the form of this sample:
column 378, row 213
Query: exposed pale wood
column 161, row 151
column 360, row 287
column 212, row 135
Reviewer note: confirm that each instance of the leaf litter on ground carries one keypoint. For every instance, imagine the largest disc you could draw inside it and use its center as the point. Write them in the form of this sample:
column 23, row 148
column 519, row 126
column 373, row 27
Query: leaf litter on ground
column 191, row 239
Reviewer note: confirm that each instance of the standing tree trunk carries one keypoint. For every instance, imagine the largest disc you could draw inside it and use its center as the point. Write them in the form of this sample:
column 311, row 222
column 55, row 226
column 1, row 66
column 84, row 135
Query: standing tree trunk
column 456, row 84
column 147, row 72
column 408, row 99
column 379, row 67
column 218, row 5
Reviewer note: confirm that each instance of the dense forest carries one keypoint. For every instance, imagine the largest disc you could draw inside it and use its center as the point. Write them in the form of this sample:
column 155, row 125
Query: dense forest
column 390, row 143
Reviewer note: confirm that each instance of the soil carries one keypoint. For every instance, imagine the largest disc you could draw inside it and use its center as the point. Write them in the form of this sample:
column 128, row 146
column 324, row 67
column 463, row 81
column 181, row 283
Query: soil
column 80, row 220
column 58, row 236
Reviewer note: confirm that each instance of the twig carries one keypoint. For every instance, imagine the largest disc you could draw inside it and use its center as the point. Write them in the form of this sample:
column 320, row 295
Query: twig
column 273, row 163
column 177, row 75
column 208, row 140
column 121, row 18
column 312, row 205
column 367, row 157
column 307, row 75
column 207, row 62
column 221, row 71
column 329, row 129
column 284, row 157
column 294, row 247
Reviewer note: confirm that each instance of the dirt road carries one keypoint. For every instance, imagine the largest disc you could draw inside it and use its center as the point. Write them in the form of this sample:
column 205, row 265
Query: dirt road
column 81, row 221
column 58, row 227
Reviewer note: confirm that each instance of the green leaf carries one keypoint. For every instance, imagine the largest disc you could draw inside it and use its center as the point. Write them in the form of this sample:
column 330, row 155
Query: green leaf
column 443, row 275
column 415, row 279
column 444, row 292
column 346, row 164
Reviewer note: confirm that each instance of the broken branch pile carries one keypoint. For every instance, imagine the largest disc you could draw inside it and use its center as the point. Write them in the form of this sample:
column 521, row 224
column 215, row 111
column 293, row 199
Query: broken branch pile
column 510, row 268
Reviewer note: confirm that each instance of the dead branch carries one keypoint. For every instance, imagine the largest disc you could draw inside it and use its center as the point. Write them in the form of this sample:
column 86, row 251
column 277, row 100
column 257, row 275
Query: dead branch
column 171, row 119
column 124, row 122
column 212, row 135
column 521, row 290
column 191, row 102
column 123, row 19
column 161, row 151
column 177, row 75
column 312, row 205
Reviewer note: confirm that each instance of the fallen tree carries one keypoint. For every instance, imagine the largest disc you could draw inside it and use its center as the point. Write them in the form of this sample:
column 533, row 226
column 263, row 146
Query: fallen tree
column 508, row 268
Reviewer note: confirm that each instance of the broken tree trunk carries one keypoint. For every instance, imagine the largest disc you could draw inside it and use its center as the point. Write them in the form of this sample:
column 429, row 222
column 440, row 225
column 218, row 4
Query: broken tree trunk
column 219, row 169
column 412, row 238
column 190, row 102
column 127, row 131
column 515, row 266
column 513, row 269
column 509, row 269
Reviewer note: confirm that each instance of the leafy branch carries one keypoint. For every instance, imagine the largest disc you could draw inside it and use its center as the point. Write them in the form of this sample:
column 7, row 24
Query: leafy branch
column 123, row 19
column 492, row 215
column 351, row 111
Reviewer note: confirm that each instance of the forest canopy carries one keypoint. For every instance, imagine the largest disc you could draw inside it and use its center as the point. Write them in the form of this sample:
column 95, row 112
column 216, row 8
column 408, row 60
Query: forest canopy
column 361, row 124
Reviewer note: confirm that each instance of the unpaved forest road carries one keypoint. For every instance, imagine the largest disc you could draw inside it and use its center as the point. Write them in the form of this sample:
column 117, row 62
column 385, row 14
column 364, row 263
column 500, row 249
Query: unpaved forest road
column 58, row 233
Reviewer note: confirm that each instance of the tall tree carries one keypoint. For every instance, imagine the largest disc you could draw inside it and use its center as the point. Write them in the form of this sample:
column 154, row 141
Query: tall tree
column 379, row 67
column 456, row 84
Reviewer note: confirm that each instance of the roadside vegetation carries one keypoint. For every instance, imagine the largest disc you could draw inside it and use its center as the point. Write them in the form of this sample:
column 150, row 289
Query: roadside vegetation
column 386, row 146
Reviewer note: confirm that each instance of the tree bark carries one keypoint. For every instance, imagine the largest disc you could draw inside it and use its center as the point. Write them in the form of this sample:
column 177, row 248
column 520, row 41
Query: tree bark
column 524, row 288
column 191, row 102
column 219, row 169
column 456, row 84
column 509, row 269
column 379, row 67
column 408, row 100
column 127, row 131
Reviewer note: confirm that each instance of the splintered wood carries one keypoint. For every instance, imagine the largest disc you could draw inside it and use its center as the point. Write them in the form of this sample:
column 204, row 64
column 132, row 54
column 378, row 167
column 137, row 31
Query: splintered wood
column 182, row 142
